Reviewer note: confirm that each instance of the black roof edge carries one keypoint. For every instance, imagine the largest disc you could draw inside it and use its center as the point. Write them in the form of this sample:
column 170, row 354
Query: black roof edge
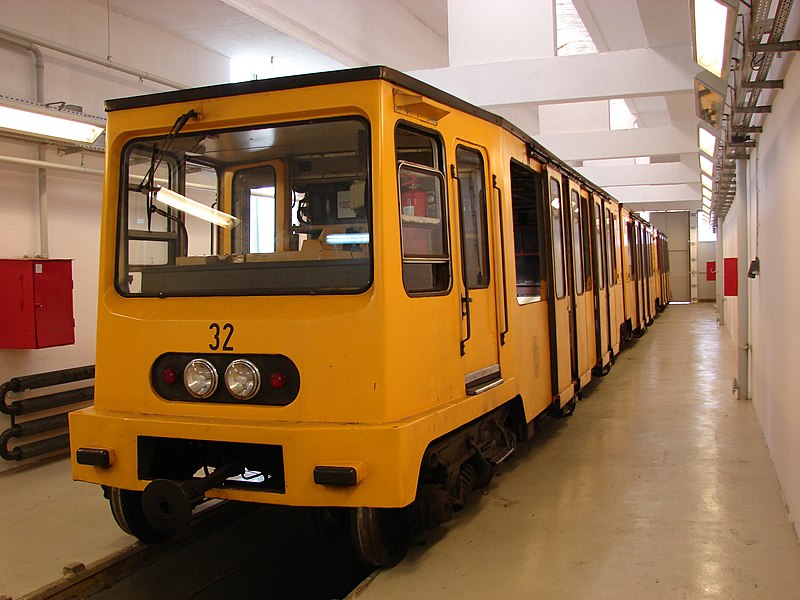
column 347, row 76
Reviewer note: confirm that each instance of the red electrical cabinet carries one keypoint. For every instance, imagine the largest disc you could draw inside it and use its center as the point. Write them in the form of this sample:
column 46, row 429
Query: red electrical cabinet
column 36, row 303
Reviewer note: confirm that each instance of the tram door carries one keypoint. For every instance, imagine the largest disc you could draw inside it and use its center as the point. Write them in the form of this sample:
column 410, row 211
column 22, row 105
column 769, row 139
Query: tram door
column 562, row 334
column 616, row 307
column 480, row 343
column 602, row 327
column 579, row 285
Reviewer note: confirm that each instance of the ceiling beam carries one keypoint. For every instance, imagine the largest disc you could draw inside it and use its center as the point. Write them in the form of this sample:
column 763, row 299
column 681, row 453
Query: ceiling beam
column 656, row 193
column 623, row 74
column 637, row 175
column 621, row 143
column 354, row 33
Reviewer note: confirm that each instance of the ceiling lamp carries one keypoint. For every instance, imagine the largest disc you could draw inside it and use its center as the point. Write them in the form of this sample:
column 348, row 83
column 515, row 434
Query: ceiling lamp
column 706, row 181
column 706, row 166
column 707, row 142
column 713, row 24
column 29, row 119
column 707, row 194
column 709, row 97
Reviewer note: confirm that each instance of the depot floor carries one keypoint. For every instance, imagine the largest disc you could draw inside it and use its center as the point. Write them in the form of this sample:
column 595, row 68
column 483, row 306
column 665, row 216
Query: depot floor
column 659, row 486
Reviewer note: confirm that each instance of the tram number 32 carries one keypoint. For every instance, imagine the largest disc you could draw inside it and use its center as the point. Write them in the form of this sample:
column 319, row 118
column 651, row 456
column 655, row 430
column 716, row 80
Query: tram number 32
column 218, row 333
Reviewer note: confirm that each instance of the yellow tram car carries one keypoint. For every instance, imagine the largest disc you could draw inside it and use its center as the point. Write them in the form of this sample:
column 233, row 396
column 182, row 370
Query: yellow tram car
column 348, row 291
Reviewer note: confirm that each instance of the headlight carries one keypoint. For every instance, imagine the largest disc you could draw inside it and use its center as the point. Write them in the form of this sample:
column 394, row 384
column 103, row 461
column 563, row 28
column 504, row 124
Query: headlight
column 242, row 379
column 200, row 378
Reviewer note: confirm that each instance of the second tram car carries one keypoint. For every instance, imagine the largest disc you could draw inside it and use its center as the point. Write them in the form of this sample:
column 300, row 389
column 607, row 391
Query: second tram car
column 347, row 291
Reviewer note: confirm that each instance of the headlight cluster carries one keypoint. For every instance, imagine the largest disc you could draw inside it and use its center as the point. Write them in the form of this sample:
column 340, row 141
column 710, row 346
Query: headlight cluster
column 242, row 378
column 262, row 379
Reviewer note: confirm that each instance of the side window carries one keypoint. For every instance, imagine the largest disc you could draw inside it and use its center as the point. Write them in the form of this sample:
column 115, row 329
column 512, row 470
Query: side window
column 254, row 200
column 577, row 240
column 525, row 192
column 558, row 238
column 598, row 246
column 614, row 232
column 423, row 222
column 587, row 244
column 474, row 231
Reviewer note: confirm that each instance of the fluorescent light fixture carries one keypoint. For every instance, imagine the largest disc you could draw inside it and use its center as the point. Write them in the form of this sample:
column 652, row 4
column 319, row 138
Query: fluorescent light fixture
column 713, row 22
column 707, row 142
column 706, row 166
column 706, row 203
column 196, row 209
column 709, row 96
column 347, row 238
column 706, row 181
column 707, row 193
column 36, row 120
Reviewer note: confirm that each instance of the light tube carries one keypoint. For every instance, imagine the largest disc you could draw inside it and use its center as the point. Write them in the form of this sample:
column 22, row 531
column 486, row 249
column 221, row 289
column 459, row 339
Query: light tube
column 49, row 126
column 196, row 209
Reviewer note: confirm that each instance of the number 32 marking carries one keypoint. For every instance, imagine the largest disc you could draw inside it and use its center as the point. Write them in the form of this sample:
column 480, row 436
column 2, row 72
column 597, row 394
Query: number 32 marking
column 217, row 343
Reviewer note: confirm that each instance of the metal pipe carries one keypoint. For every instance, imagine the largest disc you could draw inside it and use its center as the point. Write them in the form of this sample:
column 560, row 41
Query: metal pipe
column 720, row 275
column 41, row 149
column 50, row 165
column 742, row 379
column 141, row 75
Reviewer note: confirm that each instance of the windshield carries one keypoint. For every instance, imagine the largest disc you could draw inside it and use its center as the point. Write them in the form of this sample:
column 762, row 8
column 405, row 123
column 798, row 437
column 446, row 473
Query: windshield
column 269, row 210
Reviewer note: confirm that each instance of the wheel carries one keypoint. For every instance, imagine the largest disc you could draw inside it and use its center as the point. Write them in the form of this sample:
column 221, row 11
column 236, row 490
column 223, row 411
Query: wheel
column 126, row 506
column 381, row 536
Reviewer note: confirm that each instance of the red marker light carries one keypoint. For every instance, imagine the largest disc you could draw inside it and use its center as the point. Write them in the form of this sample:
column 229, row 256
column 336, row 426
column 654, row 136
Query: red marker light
column 277, row 381
column 170, row 376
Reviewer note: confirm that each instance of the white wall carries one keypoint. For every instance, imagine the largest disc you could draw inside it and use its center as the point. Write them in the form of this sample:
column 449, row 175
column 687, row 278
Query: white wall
column 75, row 199
column 774, row 318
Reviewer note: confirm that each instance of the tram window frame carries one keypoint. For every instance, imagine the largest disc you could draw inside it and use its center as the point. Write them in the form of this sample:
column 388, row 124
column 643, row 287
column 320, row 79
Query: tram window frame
column 475, row 242
column 167, row 235
column 577, row 241
column 559, row 253
column 424, row 273
column 225, row 273
column 526, row 192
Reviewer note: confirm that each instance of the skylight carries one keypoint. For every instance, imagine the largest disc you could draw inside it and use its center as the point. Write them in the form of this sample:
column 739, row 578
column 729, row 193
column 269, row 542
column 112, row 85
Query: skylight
column 571, row 35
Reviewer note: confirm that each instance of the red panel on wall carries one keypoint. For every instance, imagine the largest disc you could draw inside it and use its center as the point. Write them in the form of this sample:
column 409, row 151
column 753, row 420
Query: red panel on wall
column 731, row 277
column 36, row 303
column 711, row 270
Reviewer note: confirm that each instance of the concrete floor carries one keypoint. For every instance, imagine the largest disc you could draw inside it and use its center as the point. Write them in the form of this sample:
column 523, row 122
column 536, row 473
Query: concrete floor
column 48, row 521
column 659, row 486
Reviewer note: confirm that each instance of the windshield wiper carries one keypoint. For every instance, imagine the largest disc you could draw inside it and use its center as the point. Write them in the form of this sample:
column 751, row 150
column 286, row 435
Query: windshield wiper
column 148, row 181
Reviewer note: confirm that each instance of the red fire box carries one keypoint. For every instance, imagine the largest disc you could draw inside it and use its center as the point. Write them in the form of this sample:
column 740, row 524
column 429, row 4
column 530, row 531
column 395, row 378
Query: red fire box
column 36, row 303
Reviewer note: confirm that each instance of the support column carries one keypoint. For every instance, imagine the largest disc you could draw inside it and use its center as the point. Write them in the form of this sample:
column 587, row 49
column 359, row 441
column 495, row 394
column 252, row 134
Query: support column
column 742, row 384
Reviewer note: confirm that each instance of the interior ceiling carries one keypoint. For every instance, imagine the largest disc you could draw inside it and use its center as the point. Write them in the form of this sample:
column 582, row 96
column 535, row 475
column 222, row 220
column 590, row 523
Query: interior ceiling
column 310, row 36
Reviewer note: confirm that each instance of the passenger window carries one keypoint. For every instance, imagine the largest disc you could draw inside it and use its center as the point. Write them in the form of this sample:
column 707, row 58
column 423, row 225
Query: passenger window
column 558, row 238
column 587, row 245
column 577, row 240
column 423, row 222
column 474, row 232
column 525, row 191
column 598, row 246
